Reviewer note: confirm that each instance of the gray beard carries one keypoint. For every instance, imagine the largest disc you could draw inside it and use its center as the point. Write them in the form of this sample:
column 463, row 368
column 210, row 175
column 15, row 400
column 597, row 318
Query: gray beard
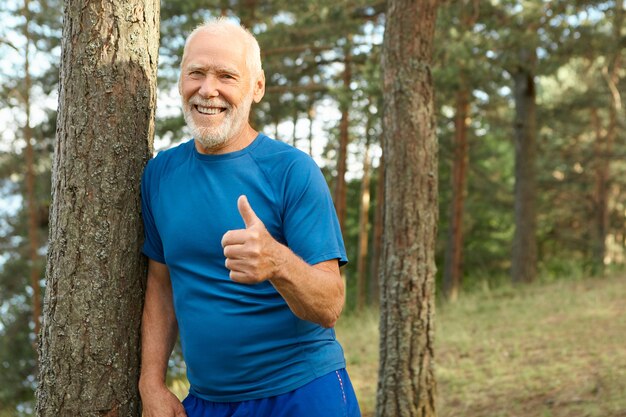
column 209, row 137
column 216, row 136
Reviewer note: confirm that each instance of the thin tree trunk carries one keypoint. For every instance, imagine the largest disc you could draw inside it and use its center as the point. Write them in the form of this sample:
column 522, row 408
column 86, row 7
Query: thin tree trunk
column 247, row 12
column 295, row 125
column 361, row 275
column 600, row 195
column 31, row 200
column 377, row 235
column 524, row 257
column 89, row 351
column 406, row 384
column 344, row 139
column 453, row 263
column 310, row 115
column 604, row 148
column 452, row 272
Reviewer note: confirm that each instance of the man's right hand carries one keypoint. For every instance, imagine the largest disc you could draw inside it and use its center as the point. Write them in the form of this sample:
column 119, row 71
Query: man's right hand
column 158, row 336
column 158, row 401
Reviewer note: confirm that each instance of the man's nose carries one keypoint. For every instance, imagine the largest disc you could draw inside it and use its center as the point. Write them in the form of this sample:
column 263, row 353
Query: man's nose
column 209, row 87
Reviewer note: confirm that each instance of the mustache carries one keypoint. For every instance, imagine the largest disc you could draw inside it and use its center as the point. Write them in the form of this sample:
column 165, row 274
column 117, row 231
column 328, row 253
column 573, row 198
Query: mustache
column 212, row 102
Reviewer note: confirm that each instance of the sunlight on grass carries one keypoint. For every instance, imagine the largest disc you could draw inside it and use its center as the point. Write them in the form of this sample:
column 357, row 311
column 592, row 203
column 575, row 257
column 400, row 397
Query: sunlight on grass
column 557, row 350
column 180, row 387
column 551, row 350
column 358, row 335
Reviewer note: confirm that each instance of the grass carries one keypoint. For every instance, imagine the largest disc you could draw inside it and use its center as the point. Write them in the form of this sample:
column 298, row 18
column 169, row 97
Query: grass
column 359, row 338
column 551, row 350
column 543, row 350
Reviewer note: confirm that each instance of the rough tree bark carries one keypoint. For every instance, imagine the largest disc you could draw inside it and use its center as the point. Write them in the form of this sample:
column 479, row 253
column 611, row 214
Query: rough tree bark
column 524, row 257
column 89, row 350
column 406, row 384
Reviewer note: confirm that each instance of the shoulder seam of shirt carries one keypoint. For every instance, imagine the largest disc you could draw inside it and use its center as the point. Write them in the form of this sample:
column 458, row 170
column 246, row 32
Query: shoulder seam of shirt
column 164, row 175
column 297, row 154
column 254, row 157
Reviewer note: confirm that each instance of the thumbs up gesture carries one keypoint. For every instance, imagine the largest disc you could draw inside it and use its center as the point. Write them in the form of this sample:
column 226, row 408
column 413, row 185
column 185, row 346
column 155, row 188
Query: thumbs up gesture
column 249, row 252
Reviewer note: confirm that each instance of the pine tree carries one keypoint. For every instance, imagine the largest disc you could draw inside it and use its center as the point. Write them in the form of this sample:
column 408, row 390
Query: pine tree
column 89, row 352
column 406, row 384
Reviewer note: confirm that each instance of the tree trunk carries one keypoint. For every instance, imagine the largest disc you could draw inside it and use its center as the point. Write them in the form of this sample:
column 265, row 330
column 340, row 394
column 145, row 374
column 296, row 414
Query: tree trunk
column 600, row 195
column 603, row 147
column 377, row 234
column 361, row 275
column 452, row 272
column 344, row 139
column 31, row 201
column 524, row 257
column 453, row 261
column 294, row 132
column 310, row 116
column 406, row 384
column 89, row 350
column 247, row 12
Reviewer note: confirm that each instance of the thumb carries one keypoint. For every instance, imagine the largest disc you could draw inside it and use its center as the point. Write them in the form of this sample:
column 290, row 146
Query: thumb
column 247, row 214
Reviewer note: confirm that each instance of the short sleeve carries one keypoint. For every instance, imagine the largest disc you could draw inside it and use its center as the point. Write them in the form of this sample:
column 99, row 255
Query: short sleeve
column 310, row 225
column 152, row 245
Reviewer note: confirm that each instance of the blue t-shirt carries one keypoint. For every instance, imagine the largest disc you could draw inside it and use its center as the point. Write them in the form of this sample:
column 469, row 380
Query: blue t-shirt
column 240, row 341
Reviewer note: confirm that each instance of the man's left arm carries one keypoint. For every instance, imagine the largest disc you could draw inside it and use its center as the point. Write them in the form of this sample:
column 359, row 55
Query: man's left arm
column 313, row 292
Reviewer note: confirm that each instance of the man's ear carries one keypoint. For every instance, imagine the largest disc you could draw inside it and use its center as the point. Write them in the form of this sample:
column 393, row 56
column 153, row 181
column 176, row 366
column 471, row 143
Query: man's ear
column 259, row 88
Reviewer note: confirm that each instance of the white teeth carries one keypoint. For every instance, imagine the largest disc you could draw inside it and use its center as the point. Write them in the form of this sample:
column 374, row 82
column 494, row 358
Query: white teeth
column 209, row 110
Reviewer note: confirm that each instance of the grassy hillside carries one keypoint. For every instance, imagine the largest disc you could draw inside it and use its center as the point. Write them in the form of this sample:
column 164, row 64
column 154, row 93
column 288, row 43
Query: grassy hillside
column 555, row 350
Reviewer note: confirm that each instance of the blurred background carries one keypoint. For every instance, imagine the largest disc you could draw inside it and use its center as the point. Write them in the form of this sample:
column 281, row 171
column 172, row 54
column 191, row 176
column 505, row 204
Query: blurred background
column 545, row 75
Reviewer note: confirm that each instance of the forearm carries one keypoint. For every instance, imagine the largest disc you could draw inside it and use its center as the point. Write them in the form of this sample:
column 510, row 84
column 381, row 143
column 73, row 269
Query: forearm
column 159, row 331
column 158, row 337
column 313, row 292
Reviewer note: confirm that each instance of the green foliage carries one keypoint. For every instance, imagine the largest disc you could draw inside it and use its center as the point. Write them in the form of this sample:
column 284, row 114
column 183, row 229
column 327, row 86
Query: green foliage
column 17, row 338
column 575, row 44
column 17, row 356
column 305, row 45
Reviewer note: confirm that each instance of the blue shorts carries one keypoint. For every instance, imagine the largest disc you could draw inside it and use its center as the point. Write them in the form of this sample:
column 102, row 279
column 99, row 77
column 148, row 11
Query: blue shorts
column 331, row 395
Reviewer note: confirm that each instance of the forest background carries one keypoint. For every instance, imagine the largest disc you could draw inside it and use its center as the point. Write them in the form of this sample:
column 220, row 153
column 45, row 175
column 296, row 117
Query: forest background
column 539, row 81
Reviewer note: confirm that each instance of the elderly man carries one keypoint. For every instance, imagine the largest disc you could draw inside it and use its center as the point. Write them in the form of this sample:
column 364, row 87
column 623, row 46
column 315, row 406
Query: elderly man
column 244, row 252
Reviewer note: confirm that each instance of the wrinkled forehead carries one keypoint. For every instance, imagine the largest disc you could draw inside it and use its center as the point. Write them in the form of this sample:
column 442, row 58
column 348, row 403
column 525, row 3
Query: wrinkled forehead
column 206, row 41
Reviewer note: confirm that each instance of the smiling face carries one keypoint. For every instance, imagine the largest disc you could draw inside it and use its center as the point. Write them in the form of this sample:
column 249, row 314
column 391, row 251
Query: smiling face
column 217, row 91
